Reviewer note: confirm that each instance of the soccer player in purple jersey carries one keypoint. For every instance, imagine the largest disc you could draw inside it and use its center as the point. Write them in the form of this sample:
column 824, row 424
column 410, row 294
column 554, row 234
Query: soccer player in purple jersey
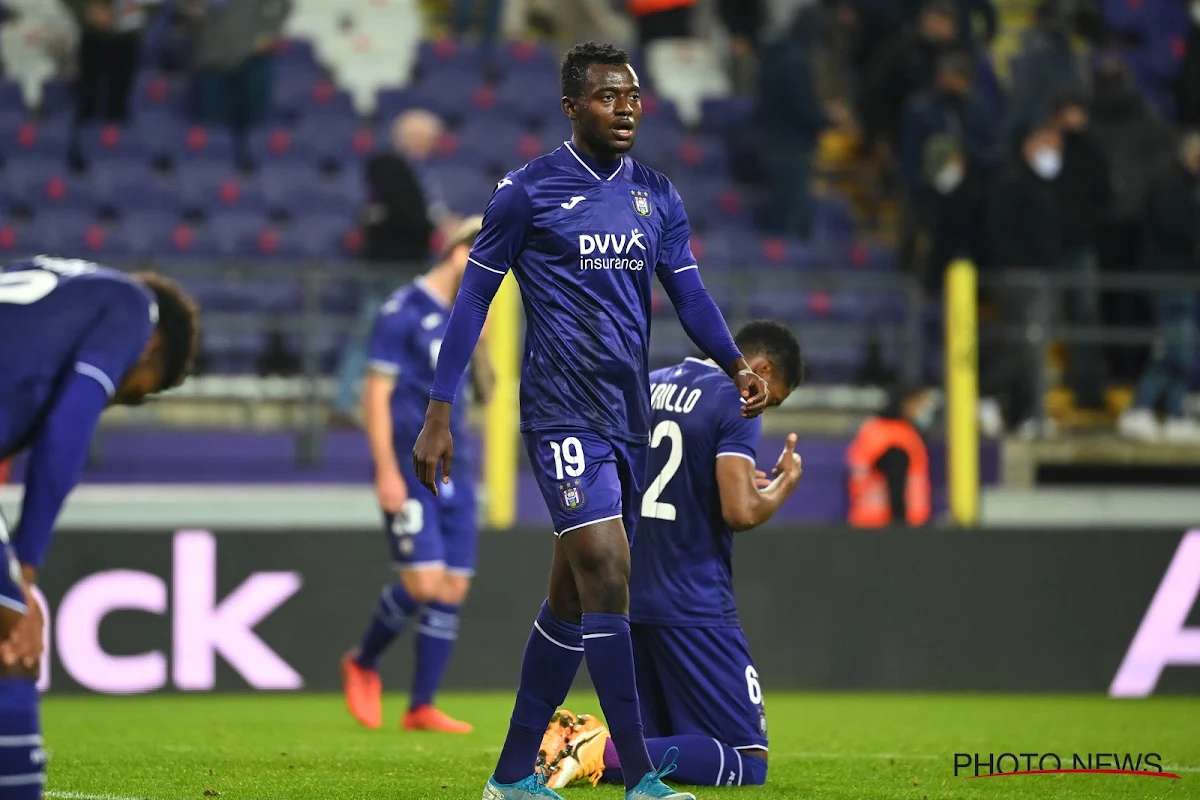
column 432, row 539
column 582, row 228
column 74, row 338
column 697, row 684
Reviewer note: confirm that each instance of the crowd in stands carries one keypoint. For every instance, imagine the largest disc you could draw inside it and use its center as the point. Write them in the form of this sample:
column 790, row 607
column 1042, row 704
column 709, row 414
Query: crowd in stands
column 306, row 129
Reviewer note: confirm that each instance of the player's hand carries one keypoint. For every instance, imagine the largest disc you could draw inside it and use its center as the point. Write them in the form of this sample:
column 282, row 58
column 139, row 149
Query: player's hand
column 789, row 464
column 434, row 446
column 24, row 644
column 390, row 489
column 753, row 390
column 761, row 479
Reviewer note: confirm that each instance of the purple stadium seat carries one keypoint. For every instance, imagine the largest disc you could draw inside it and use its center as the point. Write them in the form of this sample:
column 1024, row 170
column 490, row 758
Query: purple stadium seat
column 10, row 95
column 527, row 58
column 45, row 183
column 466, row 189
column 322, row 96
column 21, row 137
column 279, row 142
column 495, row 142
column 335, row 138
column 529, row 102
column 58, row 98
column 299, row 188
column 114, row 178
column 453, row 97
column 323, row 236
column 295, row 51
column 156, row 233
column 162, row 133
column 203, row 142
column 233, row 233
column 156, row 91
column 391, row 102
column 207, row 186
column 104, row 140
column 75, row 232
column 450, row 56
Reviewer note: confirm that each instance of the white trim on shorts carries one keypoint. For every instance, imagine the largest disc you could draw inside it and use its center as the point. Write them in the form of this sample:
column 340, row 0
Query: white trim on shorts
column 462, row 572
column 585, row 524
column 721, row 768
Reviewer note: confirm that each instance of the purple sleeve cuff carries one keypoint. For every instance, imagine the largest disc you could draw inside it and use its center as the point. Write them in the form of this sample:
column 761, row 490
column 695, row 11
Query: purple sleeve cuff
column 700, row 317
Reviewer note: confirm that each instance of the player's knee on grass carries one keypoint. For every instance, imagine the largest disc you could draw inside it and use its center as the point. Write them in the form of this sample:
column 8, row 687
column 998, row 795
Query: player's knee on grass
column 423, row 585
column 754, row 767
column 453, row 589
column 599, row 556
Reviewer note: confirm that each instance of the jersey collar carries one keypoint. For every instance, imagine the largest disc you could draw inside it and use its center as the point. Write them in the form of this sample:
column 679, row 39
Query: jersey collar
column 703, row 362
column 583, row 162
column 423, row 287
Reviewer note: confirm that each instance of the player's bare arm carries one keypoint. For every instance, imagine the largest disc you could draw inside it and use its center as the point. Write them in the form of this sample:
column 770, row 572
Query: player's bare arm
column 377, row 415
column 743, row 504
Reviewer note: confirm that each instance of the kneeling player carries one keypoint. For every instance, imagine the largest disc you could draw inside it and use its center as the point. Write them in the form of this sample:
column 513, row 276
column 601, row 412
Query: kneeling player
column 432, row 539
column 696, row 681
column 74, row 338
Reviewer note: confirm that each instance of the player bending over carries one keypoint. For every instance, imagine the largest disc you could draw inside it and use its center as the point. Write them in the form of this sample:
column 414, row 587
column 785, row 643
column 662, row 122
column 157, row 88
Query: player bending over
column 696, row 681
column 583, row 228
column 74, row 338
column 432, row 539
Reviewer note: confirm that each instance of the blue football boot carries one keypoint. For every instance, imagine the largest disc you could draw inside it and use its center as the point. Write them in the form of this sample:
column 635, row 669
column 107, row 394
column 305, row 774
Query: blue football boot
column 651, row 787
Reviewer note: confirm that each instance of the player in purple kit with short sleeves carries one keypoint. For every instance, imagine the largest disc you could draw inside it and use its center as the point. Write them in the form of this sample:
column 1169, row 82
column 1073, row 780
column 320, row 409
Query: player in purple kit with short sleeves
column 432, row 539
column 696, row 681
column 583, row 229
column 74, row 338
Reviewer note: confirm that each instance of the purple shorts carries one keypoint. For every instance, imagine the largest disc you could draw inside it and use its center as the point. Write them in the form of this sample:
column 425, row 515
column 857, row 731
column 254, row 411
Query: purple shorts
column 588, row 477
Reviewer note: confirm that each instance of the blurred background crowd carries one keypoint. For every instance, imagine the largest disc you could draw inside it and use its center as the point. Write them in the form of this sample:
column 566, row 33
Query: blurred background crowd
column 885, row 138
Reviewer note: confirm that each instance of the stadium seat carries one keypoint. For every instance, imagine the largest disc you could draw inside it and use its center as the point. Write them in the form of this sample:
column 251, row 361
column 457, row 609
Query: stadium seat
column 159, row 233
column 22, row 137
column 45, row 183
column 209, row 185
column 333, row 138
column 105, row 140
column 279, row 142
column 232, row 233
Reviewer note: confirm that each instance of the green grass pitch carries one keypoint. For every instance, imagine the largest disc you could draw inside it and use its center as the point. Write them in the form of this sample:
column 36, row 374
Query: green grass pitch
column 306, row 747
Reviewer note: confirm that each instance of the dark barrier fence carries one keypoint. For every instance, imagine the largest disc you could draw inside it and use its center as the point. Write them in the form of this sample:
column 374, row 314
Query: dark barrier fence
column 824, row 609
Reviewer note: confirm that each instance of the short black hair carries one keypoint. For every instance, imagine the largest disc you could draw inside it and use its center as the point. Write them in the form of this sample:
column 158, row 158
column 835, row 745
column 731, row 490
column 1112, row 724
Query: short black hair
column 580, row 58
column 777, row 342
column 179, row 326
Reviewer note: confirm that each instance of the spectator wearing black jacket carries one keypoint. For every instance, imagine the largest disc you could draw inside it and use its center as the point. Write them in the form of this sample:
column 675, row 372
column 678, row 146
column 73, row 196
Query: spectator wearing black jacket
column 1022, row 234
column 402, row 212
column 902, row 68
column 1084, row 195
column 1187, row 85
column 1170, row 245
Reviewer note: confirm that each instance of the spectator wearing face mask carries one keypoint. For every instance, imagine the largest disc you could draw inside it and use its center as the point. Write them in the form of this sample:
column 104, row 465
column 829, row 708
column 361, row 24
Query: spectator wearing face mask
column 1187, row 86
column 888, row 463
column 1083, row 195
column 958, row 192
column 1171, row 220
column 1022, row 233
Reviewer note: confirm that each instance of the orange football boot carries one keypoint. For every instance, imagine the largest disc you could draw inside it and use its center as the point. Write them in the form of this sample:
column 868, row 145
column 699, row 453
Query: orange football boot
column 428, row 718
column 363, row 690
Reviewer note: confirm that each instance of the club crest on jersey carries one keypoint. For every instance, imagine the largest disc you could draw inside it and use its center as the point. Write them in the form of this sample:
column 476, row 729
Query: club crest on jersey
column 641, row 202
column 570, row 495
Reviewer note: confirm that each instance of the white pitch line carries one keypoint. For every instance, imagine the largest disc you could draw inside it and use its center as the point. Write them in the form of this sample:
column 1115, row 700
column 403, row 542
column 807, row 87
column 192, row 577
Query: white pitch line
column 86, row 796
